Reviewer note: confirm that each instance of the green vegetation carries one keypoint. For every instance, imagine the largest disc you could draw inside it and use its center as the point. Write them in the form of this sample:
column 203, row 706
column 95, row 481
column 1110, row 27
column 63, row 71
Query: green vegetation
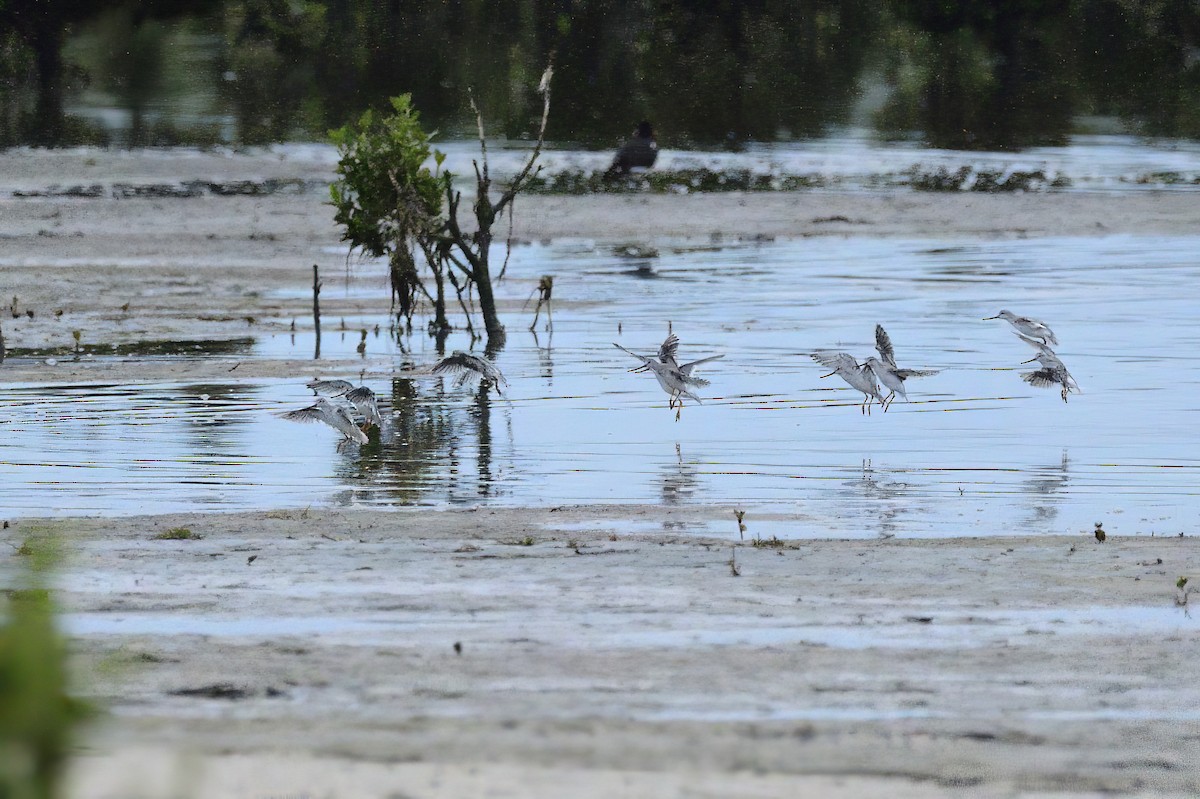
column 178, row 534
column 37, row 717
column 390, row 204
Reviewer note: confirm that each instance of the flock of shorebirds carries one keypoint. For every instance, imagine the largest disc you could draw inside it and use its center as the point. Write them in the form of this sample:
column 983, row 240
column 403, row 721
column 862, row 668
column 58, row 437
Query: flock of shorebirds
column 340, row 403
column 678, row 380
column 353, row 410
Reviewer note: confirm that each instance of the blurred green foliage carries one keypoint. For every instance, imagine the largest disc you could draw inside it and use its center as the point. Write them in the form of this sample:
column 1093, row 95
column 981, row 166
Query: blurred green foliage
column 37, row 717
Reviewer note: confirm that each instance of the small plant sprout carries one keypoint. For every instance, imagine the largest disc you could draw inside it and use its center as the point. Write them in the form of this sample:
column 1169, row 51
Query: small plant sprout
column 545, row 288
column 362, row 344
column 741, row 514
column 1099, row 532
column 1182, row 592
column 77, row 335
column 733, row 567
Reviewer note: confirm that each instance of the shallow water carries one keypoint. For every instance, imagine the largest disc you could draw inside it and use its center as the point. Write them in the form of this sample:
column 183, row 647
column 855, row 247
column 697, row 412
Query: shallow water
column 976, row 452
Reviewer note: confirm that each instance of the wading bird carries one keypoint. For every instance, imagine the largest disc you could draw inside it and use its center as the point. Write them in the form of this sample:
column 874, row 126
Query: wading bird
column 886, row 369
column 860, row 377
column 333, row 415
column 1053, row 372
column 1026, row 326
column 674, row 378
column 466, row 365
column 362, row 398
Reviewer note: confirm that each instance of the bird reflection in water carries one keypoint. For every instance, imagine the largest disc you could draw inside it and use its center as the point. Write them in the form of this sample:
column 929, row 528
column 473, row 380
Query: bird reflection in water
column 885, row 498
column 678, row 481
column 1044, row 490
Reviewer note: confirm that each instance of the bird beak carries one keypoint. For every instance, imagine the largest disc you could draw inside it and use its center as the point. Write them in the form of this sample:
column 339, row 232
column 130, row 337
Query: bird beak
column 1031, row 360
column 990, row 317
column 831, row 374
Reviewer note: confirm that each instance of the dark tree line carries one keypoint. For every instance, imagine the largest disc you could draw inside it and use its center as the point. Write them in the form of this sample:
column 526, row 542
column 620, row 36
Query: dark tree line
column 962, row 73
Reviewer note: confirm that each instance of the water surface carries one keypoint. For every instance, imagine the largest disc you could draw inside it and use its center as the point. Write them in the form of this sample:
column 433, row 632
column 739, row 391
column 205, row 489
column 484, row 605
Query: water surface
column 976, row 452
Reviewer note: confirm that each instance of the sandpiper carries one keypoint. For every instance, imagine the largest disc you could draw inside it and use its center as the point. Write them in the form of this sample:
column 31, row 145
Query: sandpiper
column 674, row 378
column 887, row 371
column 1053, row 372
column 333, row 415
column 362, row 398
column 464, row 364
column 1026, row 326
column 859, row 376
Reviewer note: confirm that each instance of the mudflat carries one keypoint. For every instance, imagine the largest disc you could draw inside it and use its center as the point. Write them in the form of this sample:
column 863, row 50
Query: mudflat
column 552, row 652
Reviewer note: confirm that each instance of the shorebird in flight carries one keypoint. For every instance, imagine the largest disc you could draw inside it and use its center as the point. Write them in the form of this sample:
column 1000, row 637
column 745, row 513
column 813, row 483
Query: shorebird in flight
column 1026, row 326
column 887, row 371
column 362, row 398
column 466, row 365
column 673, row 377
column 1053, row 372
column 333, row 415
column 859, row 376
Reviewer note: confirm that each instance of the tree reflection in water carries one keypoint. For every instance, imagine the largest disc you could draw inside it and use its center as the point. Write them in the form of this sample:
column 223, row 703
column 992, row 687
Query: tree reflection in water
column 432, row 432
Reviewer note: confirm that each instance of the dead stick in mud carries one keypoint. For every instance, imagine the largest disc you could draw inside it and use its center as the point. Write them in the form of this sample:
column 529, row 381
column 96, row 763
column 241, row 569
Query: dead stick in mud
column 317, row 312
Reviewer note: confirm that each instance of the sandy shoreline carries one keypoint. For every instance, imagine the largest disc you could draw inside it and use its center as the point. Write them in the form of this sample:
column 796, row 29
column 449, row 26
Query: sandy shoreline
column 910, row 666
column 593, row 662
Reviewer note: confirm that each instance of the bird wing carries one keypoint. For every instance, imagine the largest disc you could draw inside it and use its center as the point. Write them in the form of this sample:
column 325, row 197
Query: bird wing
column 313, row 413
column 460, row 362
column 686, row 369
column 868, row 374
column 364, row 400
column 330, row 388
column 883, row 343
column 835, row 360
column 1043, row 378
column 330, row 414
column 645, row 360
column 682, row 390
column 667, row 350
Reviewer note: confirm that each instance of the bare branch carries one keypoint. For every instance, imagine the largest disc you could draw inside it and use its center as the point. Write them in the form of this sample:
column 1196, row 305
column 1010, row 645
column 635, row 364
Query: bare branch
column 515, row 186
column 456, row 235
column 482, row 138
column 508, row 242
column 458, row 290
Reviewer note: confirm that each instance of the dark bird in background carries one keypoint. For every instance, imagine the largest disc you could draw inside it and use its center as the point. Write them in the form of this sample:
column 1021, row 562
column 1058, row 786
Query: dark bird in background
column 639, row 152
